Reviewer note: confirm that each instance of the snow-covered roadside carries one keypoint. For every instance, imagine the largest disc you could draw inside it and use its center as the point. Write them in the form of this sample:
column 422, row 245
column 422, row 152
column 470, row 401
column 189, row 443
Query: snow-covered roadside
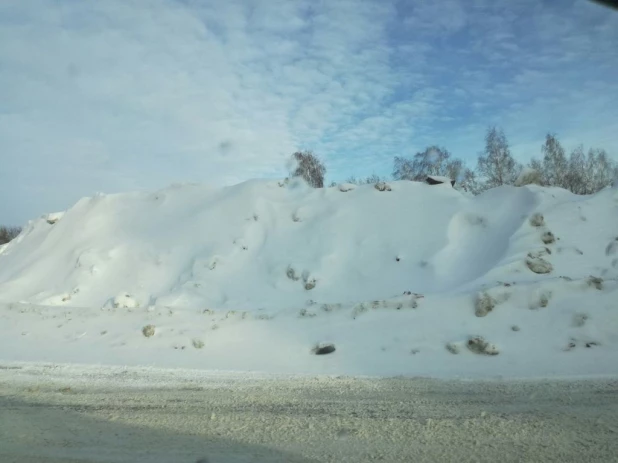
column 416, row 281
column 567, row 337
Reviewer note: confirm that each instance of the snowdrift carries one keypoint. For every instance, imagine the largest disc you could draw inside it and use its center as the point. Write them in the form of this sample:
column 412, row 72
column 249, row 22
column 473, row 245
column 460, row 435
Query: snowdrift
column 253, row 276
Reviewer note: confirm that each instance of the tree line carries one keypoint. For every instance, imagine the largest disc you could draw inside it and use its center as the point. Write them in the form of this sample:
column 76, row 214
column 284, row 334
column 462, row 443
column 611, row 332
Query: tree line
column 580, row 172
column 8, row 233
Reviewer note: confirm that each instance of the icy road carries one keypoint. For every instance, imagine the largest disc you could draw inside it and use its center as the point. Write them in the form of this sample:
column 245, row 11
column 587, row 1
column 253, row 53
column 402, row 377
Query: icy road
column 132, row 415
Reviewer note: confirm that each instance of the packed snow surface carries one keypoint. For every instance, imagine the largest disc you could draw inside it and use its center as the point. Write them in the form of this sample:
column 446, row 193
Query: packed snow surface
column 412, row 280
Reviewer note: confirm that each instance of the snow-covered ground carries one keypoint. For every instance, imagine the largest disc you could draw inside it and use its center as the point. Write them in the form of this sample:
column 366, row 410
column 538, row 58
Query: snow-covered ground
column 252, row 277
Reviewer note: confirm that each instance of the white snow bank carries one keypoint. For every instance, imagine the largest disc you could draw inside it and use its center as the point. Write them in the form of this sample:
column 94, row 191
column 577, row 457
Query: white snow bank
column 258, row 274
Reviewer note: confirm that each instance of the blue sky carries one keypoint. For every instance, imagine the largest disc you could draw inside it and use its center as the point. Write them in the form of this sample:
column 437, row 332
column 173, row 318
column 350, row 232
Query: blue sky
column 117, row 95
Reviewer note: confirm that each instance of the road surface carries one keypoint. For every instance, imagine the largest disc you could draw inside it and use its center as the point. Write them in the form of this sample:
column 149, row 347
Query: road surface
column 53, row 418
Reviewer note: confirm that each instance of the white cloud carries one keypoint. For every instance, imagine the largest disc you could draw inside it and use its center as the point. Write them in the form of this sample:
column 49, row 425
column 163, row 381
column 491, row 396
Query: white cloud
column 119, row 95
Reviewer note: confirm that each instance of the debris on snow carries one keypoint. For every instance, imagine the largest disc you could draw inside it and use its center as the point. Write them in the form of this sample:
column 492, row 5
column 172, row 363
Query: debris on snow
column 345, row 187
column 125, row 301
column 382, row 186
column 478, row 345
column 323, row 349
column 548, row 237
column 148, row 331
column 537, row 220
column 542, row 298
column 453, row 348
column 306, row 314
column 291, row 274
column 595, row 282
column 484, row 304
column 612, row 247
column 539, row 265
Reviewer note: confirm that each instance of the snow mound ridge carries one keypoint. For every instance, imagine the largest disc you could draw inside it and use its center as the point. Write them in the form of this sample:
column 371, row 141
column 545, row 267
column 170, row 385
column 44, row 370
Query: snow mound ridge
column 267, row 244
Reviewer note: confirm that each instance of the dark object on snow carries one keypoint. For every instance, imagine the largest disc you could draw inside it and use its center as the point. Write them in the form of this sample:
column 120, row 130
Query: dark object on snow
column 323, row 349
column 433, row 180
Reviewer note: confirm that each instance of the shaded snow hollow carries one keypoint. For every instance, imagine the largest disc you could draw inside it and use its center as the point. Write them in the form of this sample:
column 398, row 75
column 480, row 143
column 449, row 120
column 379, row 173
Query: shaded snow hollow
column 259, row 273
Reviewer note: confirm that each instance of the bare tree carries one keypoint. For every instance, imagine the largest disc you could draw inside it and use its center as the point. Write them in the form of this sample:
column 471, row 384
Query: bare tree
column 576, row 175
column 600, row 169
column 434, row 160
column 590, row 173
column 496, row 164
column 8, row 234
column 555, row 167
column 467, row 181
column 310, row 168
column 538, row 179
column 371, row 180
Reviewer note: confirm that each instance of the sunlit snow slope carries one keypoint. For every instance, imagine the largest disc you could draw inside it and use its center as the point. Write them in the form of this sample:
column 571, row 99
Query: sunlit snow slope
column 319, row 264
column 192, row 246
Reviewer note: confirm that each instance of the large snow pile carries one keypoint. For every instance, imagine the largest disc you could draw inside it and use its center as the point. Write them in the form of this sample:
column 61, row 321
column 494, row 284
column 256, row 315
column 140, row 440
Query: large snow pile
column 409, row 279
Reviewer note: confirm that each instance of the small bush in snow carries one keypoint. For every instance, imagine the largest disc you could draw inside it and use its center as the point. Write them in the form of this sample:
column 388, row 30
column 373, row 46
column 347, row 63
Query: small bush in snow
column 345, row 187
column 452, row 348
column 548, row 237
column 537, row 220
column 484, row 304
column 148, row 331
column 595, row 282
column 515, row 328
column 197, row 343
column 310, row 284
column 381, row 186
column 478, row 345
column 538, row 265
